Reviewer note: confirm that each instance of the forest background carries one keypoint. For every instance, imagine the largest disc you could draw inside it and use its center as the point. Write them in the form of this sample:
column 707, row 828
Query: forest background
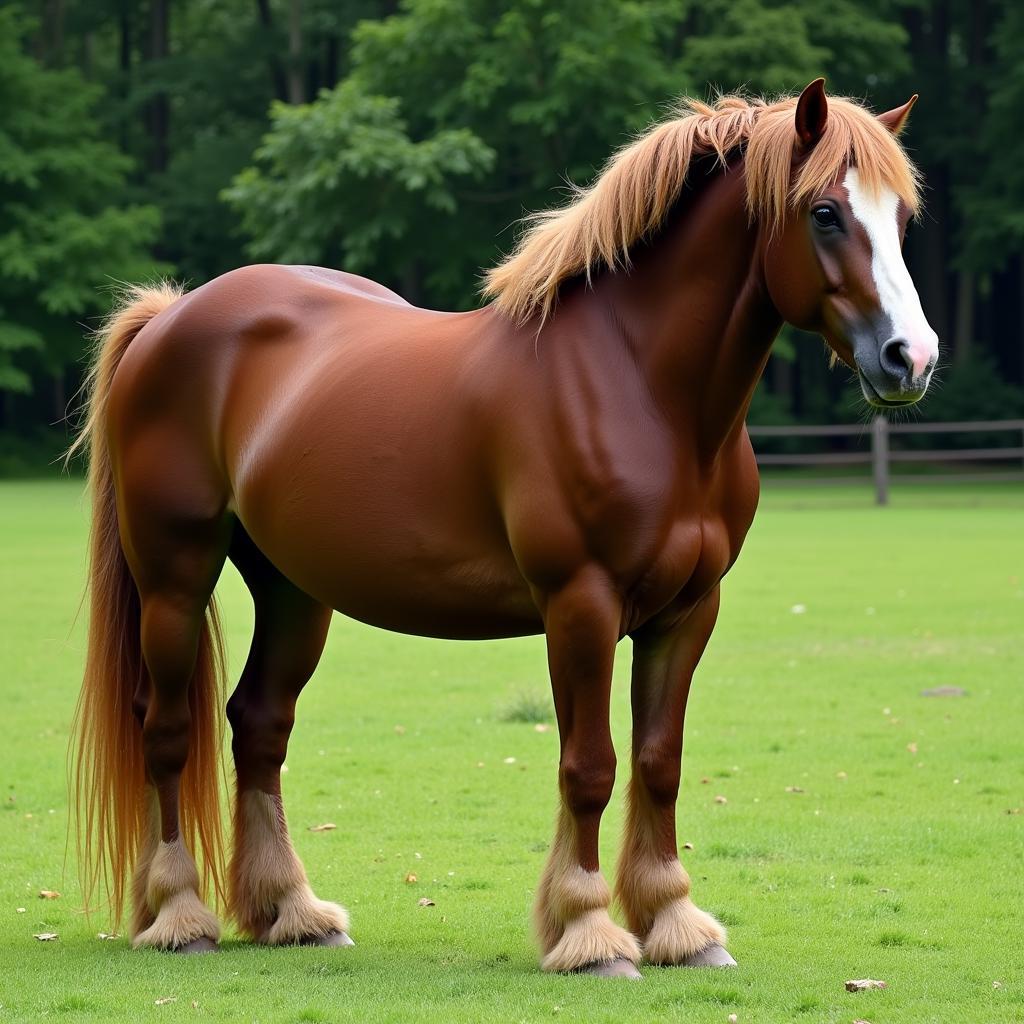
column 404, row 141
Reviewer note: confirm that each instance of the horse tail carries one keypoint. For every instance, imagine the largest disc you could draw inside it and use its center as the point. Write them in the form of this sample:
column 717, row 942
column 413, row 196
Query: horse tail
column 106, row 763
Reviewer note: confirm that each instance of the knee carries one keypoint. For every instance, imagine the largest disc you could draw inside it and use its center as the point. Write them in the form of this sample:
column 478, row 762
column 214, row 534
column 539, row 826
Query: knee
column 658, row 770
column 587, row 782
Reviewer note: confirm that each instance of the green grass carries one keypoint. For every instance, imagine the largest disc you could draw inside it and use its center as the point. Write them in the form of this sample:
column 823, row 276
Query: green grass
column 888, row 864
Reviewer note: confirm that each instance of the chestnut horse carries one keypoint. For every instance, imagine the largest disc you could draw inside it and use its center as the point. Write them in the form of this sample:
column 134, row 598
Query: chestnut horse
column 569, row 460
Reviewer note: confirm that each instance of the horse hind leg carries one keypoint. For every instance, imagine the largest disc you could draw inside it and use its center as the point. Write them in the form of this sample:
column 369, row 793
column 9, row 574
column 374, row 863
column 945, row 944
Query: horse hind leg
column 269, row 894
column 175, row 559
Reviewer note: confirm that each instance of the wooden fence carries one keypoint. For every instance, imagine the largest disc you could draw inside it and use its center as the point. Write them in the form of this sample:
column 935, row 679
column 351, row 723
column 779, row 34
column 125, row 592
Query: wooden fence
column 884, row 452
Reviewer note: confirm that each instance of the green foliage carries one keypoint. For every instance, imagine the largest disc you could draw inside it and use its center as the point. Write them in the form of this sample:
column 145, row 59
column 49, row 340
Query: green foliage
column 540, row 91
column 65, row 231
column 976, row 390
column 748, row 42
column 991, row 191
column 416, row 134
column 324, row 164
column 447, row 94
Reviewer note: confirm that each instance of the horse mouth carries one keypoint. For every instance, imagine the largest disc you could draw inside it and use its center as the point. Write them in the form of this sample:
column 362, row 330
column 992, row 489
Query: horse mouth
column 879, row 402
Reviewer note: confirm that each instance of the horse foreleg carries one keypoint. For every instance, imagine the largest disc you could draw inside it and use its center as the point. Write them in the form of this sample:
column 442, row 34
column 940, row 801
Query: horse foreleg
column 270, row 896
column 652, row 885
column 576, row 933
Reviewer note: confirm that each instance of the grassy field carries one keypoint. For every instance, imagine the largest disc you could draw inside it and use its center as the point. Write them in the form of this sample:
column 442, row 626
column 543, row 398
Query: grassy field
column 866, row 832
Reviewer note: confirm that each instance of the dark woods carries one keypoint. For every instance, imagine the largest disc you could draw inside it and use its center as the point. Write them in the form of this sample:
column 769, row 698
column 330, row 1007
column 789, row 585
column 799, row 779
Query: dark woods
column 401, row 140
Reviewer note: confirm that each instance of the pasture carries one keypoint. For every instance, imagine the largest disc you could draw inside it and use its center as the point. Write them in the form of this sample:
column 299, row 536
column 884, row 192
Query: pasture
column 866, row 831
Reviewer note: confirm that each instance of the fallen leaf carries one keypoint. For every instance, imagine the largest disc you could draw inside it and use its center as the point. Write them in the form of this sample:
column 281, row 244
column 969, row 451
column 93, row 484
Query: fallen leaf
column 195, row 1004
column 721, row 799
column 327, row 826
column 21, row 910
column 1015, row 810
column 164, row 1000
column 732, row 1018
column 912, row 747
column 687, row 846
column 107, row 936
column 510, row 760
column 945, row 691
column 425, row 902
column 704, row 781
column 400, row 730
column 411, row 878
column 542, row 727
column 859, row 1020
column 45, row 936
column 997, row 984
column 794, row 789
column 840, row 775
column 798, row 609
column 863, row 984
column 49, row 894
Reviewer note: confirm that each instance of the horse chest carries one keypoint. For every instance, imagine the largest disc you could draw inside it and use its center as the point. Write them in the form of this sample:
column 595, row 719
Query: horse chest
column 698, row 547
column 692, row 559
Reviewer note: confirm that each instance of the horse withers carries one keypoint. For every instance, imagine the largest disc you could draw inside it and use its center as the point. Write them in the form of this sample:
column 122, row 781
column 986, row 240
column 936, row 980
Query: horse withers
column 570, row 459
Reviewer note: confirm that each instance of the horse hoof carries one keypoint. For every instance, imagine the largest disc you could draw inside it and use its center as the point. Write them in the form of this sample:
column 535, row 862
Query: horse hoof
column 713, row 955
column 330, row 939
column 620, row 967
column 203, row 944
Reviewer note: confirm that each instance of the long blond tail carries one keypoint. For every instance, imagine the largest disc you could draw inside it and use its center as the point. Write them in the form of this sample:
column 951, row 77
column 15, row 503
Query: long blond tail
column 106, row 761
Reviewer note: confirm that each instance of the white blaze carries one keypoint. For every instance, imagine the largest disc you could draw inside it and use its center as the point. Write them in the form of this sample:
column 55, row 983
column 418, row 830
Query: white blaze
column 896, row 291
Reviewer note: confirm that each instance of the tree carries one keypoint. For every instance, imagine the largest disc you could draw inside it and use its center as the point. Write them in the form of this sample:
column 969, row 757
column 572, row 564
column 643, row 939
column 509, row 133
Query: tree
column 63, row 234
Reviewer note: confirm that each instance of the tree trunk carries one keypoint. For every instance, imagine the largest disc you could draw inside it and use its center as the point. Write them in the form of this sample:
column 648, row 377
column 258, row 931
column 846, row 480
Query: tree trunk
column 125, row 64
column 60, row 398
column 927, row 247
column 277, row 77
column 963, row 337
column 331, row 61
column 412, row 284
column 296, row 82
column 159, row 107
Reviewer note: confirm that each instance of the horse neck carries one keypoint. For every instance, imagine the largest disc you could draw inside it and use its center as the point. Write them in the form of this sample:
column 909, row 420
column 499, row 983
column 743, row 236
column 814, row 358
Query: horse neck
column 695, row 311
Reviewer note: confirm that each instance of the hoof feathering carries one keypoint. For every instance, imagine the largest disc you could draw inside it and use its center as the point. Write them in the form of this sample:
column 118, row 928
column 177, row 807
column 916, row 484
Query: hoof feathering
column 713, row 955
column 620, row 967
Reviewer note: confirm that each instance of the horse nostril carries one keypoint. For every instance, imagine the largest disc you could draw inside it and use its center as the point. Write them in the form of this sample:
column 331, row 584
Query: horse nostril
column 895, row 358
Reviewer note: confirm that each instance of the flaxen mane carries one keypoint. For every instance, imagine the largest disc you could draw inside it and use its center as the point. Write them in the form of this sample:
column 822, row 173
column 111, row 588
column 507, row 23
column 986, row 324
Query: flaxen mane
column 642, row 181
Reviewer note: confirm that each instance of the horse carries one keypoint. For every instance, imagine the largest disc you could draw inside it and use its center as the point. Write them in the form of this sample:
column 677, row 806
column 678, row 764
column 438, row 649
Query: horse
column 569, row 459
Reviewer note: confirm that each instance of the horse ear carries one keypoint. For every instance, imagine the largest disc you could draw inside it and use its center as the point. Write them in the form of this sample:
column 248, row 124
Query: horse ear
column 811, row 114
column 896, row 118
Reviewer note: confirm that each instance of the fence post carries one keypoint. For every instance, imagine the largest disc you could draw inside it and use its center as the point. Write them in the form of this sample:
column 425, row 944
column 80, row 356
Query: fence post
column 880, row 458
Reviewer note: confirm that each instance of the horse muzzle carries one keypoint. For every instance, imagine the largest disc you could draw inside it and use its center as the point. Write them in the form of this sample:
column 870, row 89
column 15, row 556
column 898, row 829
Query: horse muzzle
column 895, row 373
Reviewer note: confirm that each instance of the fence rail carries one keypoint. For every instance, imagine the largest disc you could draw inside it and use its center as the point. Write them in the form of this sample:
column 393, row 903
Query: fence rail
column 881, row 455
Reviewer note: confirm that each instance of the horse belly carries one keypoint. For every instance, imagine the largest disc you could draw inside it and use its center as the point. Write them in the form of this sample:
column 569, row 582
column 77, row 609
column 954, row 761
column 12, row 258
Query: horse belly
column 464, row 600
column 375, row 542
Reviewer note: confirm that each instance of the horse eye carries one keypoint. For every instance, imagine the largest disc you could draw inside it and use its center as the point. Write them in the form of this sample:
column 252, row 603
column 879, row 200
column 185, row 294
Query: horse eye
column 825, row 217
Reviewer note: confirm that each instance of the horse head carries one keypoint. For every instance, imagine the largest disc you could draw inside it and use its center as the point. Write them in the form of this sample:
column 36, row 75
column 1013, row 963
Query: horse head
column 834, row 263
